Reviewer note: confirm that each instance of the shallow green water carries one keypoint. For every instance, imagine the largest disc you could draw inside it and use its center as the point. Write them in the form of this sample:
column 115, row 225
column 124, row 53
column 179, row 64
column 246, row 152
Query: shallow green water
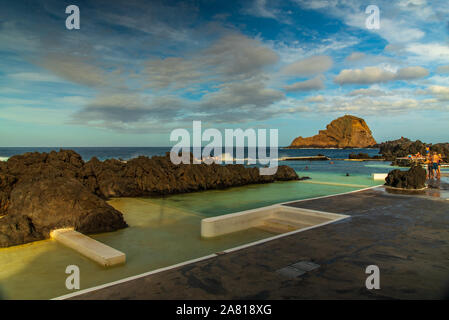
column 163, row 231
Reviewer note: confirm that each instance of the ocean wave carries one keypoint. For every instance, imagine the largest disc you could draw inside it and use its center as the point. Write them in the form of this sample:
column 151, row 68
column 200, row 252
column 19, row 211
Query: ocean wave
column 4, row 158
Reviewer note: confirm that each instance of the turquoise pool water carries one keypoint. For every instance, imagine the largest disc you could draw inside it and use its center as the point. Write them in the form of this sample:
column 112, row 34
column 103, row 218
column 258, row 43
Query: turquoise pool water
column 163, row 231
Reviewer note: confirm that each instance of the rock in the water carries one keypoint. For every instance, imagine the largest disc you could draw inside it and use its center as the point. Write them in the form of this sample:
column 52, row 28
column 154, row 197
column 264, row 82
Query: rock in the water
column 363, row 156
column 414, row 178
column 345, row 132
column 40, row 192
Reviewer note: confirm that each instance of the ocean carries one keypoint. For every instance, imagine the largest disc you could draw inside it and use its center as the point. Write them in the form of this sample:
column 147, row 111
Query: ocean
column 340, row 168
column 126, row 153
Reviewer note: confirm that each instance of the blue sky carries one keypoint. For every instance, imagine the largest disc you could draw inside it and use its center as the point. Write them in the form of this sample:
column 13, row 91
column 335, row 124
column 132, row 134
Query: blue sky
column 138, row 69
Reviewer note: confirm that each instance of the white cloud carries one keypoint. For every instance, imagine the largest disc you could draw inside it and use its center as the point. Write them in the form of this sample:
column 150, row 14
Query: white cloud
column 367, row 92
column 34, row 76
column 244, row 95
column 410, row 73
column 364, row 76
column 370, row 75
column 318, row 98
column 308, row 66
column 316, row 83
column 355, row 56
column 174, row 71
column 395, row 25
column 238, row 55
column 259, row 9
column 429, row 52
column 443, row 69
column 439, row 92
column 75, row 69
column 128, row 111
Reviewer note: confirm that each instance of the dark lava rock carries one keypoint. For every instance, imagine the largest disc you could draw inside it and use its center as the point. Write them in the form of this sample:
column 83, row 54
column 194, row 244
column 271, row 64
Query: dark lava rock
column 363, row 156
column 40, row 192
column 414, row 178
column 402, row 147
column 145, row 176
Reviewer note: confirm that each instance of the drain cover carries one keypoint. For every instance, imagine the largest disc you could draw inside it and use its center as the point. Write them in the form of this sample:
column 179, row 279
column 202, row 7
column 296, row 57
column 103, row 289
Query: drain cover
column 290, row 272
column 305, row 265
column 297, row 269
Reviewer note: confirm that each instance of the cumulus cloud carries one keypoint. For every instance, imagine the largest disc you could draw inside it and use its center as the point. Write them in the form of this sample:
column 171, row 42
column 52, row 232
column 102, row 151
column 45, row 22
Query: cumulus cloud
column 410, row 73
column 249, row 94
column 364, row 76
column 367, row 92
column 439, row 92
column 239, row 55
column 429, row 52
column 74, row 69
column 231, row 57
column 369, row 75
column 371, row 106
column 316, row 83
column 318, row 98
column 172, row 71
column 309, row 66
column 355, row 56
column 128, row 108
column 443, row 69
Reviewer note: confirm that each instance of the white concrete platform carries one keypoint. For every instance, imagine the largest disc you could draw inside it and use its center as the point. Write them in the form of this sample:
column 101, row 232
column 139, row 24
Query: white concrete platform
column 380, row 176
column 97, row 251
column 275, row 219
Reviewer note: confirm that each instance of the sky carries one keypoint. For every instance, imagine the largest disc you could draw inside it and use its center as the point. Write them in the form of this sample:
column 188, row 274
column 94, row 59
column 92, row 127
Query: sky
column 136, row 70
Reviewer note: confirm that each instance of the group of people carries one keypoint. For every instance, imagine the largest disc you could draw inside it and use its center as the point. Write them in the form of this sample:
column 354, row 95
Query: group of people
column 433, row 161
column 417, row 156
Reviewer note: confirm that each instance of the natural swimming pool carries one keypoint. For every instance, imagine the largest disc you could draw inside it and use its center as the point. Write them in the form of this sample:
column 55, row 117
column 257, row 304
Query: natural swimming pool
column 164, row 231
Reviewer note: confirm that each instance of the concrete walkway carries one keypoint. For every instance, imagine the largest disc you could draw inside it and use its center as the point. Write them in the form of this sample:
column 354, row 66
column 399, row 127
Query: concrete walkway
column 406, row 236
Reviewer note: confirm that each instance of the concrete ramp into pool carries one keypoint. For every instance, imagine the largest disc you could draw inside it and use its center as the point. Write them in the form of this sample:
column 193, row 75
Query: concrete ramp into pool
column 275, row 219
column 97, row 251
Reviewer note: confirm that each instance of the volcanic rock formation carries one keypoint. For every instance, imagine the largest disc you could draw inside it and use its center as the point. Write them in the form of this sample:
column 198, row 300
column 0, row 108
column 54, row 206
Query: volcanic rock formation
column 345, row 132
column 402, row 147
column 414, row 178
column 40, row 192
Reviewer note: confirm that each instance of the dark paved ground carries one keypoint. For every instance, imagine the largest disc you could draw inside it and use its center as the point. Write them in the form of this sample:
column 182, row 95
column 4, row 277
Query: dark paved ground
column 407, row 237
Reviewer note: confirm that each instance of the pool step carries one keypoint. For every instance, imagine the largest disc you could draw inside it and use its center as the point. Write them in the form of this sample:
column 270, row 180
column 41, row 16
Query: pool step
column 277, row 219
column 97, row 251
column 282, row 225
column 309, row 218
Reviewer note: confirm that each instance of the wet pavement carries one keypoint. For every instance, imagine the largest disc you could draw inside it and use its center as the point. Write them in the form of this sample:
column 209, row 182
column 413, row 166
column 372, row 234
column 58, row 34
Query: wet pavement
column 405, row 235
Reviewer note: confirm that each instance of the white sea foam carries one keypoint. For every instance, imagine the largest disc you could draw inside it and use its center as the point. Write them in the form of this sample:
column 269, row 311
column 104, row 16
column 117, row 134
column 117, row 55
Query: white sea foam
column 227, row 157
column 4, row 158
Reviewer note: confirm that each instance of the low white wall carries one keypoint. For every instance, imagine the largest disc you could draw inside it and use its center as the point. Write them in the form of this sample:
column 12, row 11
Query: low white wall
column 228, row 223
column 380, row 176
